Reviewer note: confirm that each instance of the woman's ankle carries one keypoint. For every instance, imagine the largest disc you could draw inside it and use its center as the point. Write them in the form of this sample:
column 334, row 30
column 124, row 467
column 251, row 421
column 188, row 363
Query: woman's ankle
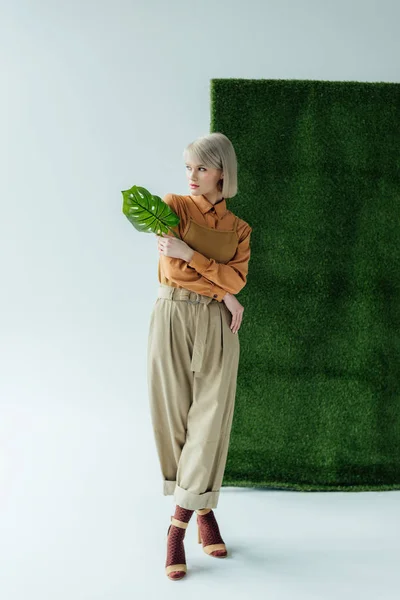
column 203, row 511
column 183, row 514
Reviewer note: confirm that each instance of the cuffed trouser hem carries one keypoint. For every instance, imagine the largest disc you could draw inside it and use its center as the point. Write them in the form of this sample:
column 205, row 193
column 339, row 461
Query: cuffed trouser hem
column 187, row 499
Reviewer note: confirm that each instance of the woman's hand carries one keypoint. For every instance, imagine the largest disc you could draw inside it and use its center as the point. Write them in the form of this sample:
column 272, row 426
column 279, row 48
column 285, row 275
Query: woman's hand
column 236, row 309
column 169, row 245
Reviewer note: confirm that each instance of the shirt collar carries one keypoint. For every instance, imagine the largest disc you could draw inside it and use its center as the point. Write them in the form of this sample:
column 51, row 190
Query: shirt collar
column 204, row 205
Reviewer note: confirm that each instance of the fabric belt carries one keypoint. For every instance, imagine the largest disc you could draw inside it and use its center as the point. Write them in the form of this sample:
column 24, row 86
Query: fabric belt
column 202, row 318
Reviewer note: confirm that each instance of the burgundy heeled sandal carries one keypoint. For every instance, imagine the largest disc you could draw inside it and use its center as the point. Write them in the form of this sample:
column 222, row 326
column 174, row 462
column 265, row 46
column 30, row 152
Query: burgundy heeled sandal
column 176, row 549
column 209, row 535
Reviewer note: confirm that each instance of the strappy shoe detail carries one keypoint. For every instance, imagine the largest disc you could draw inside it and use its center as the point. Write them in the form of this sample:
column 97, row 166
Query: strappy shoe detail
column 207, row 528
column 179, row 569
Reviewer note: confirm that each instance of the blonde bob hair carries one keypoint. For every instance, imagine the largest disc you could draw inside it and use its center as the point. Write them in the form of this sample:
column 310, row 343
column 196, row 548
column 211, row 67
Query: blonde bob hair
column 216, row 151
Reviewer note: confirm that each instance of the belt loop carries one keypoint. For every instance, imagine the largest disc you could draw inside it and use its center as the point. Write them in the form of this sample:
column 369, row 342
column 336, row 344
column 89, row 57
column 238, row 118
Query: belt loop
column 171, row 292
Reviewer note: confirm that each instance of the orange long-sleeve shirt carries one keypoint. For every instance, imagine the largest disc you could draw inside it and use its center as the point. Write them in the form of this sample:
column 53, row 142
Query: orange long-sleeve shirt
column 204, row 275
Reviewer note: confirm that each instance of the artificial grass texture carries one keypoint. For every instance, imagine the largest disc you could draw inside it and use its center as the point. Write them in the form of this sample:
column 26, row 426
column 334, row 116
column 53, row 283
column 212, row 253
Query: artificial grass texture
column 318, row 390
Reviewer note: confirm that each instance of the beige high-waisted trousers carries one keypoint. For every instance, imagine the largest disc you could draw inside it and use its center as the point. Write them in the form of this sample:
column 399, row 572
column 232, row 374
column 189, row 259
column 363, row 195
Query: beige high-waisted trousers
column 192, row 359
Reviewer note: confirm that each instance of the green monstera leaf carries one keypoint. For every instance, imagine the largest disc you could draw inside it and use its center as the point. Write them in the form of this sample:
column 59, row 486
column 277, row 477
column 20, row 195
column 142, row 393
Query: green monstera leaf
column 148, row 213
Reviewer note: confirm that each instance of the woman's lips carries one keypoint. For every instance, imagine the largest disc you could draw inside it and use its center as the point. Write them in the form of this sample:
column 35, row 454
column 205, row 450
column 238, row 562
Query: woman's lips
column 193, row 185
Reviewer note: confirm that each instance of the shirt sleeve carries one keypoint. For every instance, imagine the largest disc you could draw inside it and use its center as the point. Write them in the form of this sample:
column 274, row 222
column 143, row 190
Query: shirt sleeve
column 178, row 270
column 231, row 276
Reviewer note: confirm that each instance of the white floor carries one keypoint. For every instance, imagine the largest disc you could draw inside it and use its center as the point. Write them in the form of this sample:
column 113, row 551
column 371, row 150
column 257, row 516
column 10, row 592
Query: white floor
column 82, row 517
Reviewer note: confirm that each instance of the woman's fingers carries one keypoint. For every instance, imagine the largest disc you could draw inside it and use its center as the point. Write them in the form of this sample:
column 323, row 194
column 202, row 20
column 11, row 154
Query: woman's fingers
column 235, row 323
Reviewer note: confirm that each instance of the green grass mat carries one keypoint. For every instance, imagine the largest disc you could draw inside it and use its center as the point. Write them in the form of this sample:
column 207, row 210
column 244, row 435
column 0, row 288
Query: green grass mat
column 318, row 395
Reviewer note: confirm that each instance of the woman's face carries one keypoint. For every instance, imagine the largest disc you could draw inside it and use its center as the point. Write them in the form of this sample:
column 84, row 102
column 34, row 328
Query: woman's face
column 205, row 178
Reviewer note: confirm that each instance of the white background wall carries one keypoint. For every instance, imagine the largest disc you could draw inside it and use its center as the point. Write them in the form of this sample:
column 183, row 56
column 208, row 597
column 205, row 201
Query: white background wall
column 96, row 97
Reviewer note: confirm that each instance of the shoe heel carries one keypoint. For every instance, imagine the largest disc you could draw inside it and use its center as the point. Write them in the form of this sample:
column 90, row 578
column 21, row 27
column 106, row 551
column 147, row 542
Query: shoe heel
column 198, row 533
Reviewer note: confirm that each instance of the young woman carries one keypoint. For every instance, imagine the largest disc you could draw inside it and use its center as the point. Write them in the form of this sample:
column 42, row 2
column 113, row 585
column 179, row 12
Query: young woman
column 193, row 343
